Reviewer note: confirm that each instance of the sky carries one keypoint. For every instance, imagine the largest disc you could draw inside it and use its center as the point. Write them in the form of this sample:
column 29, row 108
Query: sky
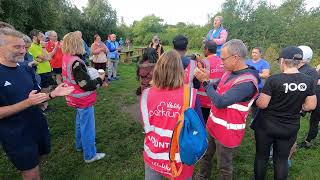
column 172, row 11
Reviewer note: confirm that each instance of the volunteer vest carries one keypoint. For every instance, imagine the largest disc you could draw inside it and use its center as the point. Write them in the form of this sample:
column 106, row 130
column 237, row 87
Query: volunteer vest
column 189, row 72
column 160, row 110
column 78, row 98
column 215, row 35
column 214, row 66
column 227, row 125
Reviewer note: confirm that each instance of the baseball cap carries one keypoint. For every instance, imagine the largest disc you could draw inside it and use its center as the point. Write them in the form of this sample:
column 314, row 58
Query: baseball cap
column 307, row 53
column 291, row 52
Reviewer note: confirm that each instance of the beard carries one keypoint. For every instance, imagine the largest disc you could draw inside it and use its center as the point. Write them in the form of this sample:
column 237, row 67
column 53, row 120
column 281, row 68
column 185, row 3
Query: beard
column 15, row 58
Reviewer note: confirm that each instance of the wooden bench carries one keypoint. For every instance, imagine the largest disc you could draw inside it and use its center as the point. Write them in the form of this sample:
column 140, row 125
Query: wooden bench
column 135, row 58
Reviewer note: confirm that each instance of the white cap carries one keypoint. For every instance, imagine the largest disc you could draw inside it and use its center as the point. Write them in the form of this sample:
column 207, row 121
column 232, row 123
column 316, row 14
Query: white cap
column 307, row 53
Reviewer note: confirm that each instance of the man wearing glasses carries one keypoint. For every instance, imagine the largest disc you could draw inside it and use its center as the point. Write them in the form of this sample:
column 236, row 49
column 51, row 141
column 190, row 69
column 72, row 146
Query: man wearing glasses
column 232, row 97
column 155, row 44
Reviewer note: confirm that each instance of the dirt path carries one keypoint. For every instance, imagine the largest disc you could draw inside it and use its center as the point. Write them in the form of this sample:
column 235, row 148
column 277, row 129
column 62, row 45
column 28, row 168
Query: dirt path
column 133, row 110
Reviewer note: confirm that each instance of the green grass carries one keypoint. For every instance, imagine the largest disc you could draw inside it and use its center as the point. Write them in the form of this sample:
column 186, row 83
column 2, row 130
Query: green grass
column 121, row 137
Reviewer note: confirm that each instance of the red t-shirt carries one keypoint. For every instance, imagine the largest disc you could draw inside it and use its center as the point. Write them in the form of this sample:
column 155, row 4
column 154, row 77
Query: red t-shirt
column 56, row 61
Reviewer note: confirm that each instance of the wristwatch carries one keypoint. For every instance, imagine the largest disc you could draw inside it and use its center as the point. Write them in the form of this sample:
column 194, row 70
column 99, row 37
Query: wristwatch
column 205, row 83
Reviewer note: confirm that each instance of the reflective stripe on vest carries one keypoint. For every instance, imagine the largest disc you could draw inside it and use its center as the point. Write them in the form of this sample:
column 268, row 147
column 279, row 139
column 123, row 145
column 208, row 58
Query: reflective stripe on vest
column 160, row 156
column 240, row 107
column 226, row 124
column 202, row 93
column 191, row 72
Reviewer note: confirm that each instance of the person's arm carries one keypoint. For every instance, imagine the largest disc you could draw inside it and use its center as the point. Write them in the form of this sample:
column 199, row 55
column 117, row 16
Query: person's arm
column 223, row 37
column 33, row 99
column 108, row 44
column 310, row 103
column 237, row 93
column 83, row 79
column 265, row 73
column 95, row 49
column 263, row 101
column 197, row 108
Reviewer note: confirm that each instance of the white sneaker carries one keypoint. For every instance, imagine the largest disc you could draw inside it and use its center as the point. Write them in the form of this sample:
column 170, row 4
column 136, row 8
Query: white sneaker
column 97, row 157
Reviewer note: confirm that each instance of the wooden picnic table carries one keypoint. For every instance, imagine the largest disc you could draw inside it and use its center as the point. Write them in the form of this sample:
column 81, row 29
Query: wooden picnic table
column 125, row 55
column 140, row 50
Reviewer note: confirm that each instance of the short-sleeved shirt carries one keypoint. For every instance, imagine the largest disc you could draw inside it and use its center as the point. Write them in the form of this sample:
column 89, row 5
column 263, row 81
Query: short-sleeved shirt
column 56, row 60
column 25, row 135
column 288, row 92
column 44, row 66
column 259, row 66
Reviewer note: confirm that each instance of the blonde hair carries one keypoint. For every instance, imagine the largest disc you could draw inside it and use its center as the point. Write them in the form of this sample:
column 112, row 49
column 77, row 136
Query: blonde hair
column 72, row 44
column 168, row 72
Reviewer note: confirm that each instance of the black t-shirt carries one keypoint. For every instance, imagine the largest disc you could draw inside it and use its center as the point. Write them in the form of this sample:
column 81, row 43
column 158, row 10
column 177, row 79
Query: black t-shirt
column 288, row 92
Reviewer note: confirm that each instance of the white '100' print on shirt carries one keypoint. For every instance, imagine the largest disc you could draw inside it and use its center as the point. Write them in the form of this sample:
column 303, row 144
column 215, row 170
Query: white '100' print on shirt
column 294, row 87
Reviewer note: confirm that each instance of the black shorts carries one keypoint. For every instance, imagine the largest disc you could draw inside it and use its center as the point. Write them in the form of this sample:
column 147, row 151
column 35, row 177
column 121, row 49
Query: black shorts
column 24, row 143
column 46, row 80
column 57, row 70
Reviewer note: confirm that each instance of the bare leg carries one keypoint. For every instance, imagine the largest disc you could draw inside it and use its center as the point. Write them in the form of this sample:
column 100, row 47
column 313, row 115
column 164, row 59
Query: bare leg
column 32, row 174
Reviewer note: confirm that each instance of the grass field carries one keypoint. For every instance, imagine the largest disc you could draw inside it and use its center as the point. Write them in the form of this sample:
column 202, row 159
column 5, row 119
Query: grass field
column 120, row 136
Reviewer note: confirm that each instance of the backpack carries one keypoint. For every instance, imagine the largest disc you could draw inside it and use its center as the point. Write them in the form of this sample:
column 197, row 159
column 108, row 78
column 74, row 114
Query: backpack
column 189, row 137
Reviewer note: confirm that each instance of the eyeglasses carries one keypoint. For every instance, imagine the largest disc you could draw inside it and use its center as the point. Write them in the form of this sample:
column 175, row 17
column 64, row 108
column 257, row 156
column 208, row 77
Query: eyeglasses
column 223, row 59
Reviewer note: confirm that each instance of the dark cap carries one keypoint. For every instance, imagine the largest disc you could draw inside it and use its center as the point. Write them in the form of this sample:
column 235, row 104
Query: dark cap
column 291, row 52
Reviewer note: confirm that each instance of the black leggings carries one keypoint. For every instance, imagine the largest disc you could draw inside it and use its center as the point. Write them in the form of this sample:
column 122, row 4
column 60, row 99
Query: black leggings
column 313, row 124
column 281, row 151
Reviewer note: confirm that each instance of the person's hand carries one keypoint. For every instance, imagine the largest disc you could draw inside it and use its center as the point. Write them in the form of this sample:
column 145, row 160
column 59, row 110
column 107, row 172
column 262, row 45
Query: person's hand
column 32, row 63
column 36, row 98
column 62, row 90
column 201, row 74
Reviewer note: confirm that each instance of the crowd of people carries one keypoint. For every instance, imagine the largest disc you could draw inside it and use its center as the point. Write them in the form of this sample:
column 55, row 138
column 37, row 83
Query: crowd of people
column 225, row 87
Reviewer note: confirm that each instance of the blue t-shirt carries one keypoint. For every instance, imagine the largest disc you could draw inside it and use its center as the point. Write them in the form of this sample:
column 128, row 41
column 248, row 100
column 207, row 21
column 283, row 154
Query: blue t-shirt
column 15, row 85
column 259, row 66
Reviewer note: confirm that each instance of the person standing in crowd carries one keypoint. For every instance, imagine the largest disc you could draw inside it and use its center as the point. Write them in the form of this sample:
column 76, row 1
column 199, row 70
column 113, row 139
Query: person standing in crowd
column 214, row 66
column 99, row 51
column 155, row 44
column 54, row 47
column 167, row 89
column 231, row 102
column 42, row 58
column 75, row 74
column 305, row 68
column 113, row 57
column 260, row 65
column 145, row 69
column 217, row 34
column 180, row 44
column 24, row 133
column 278, row 121
column 86, row 54
column 28, row 59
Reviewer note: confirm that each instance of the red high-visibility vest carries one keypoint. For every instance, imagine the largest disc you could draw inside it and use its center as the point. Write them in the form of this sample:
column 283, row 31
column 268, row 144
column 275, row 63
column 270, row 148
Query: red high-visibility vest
column 214, row 66
column 78, row 98
column 160, row 110
column 189, row 72
column 227, row 125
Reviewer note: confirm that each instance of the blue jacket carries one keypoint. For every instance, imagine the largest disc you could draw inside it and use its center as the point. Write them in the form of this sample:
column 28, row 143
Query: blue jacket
column 112, row 46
